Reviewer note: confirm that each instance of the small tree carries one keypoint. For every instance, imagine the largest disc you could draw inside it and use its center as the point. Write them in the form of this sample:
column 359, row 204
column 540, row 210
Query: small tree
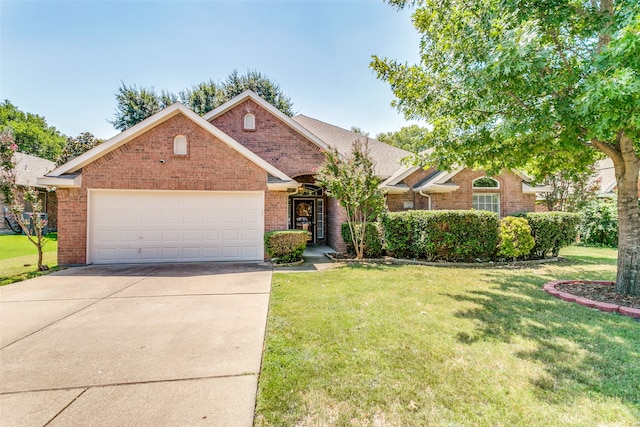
column 571, row 191
column 32, row 223
column 352, row 181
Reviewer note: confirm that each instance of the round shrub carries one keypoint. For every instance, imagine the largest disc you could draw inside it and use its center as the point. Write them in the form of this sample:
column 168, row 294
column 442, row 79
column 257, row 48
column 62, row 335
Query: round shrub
column 286, row 245
column 515, row 238
column 599, row 224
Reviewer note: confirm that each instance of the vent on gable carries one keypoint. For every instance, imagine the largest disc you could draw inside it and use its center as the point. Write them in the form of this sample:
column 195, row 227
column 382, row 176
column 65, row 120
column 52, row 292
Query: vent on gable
column 249, row 122
column 180, row 145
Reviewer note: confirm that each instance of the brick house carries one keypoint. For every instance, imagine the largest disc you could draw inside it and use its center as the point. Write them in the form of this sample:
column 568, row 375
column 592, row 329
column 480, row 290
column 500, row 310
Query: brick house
column 180, row 187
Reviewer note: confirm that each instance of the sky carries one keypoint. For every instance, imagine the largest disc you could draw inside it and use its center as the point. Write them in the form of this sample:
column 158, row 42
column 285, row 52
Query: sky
column 64, row 60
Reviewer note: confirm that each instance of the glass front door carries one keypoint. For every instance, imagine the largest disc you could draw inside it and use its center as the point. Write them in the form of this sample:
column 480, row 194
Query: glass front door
column 304, row 216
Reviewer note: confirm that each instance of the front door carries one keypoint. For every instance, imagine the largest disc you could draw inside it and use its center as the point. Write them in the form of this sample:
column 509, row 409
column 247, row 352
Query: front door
column 304, row 217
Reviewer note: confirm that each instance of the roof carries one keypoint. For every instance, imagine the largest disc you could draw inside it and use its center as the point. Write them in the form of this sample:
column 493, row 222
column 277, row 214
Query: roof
column 122, row 138
column 29, row 168
column 387, row 158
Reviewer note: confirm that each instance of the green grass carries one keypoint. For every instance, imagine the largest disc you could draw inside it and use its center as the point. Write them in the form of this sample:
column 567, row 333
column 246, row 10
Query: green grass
column 418, row 346
column 19, row 257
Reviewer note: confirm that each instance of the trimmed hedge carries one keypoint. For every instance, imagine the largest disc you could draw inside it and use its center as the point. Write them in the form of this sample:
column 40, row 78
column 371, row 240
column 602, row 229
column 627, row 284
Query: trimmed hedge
column 372, row 239
column 286, row 245
column 552, row 231
column 450, row 235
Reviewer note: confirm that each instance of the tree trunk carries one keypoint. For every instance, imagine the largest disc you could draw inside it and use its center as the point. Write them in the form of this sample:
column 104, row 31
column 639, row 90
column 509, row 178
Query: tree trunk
column 628, row 280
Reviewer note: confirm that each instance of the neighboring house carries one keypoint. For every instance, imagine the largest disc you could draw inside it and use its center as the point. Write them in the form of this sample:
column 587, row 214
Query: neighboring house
column 180, row 187
column 28, row 168
column 607, row 178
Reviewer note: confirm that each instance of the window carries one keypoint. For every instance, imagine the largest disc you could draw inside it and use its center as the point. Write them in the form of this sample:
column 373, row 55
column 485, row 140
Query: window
column 487, row 202
column 249, row 122
column 180, row 145
column 486, row 182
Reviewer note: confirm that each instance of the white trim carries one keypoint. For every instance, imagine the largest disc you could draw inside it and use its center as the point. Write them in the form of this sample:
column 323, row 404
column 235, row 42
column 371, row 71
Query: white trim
column 530, row 189
column 473, row 196
column 134, row 131
column 283, row 186
column 50, row 181
column 392, row 189
column 248, row 94
column 437, row 188
column 401, row 173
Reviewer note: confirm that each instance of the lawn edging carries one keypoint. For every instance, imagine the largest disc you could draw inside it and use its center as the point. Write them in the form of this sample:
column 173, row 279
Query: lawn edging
column 550, row 288
column 401, row 261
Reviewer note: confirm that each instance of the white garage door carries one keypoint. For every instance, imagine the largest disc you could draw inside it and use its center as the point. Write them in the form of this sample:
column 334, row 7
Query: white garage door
column 161, row 226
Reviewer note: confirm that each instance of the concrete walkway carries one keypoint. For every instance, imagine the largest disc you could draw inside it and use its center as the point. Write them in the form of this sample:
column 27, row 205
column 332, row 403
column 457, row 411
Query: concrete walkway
column 177, row 344
column 314, row 260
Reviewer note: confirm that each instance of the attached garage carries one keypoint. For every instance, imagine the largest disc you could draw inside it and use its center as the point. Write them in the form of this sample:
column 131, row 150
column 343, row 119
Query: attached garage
column 137, row 226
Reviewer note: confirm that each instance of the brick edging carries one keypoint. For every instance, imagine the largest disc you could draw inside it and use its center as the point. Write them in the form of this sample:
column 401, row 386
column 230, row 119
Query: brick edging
column 550, row 288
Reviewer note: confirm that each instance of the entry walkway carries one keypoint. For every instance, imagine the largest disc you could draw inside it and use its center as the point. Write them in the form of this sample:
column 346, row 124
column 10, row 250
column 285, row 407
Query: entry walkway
column 314, row 260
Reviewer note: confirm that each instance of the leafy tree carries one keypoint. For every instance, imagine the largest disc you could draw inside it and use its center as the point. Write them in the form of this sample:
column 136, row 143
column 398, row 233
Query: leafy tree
column 76, row 146
column 253, row 80
column 31, row 133
column 34, row 223
column 571, row 191
column 352, row 181
column 134, row 104
column 410, row 138
column 203, row 97
column 538, row 85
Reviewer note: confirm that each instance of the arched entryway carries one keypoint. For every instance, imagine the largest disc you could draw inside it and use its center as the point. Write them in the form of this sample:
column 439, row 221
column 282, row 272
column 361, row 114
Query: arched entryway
column 307, row 211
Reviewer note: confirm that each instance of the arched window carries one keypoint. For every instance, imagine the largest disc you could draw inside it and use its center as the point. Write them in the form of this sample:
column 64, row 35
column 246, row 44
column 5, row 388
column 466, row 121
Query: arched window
column 180, row 145
column 249, row 122
column 485, row 182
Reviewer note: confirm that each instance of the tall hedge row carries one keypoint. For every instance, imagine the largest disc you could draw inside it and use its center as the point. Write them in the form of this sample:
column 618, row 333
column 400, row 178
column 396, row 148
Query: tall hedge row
column 457, row 235
column 441, row 235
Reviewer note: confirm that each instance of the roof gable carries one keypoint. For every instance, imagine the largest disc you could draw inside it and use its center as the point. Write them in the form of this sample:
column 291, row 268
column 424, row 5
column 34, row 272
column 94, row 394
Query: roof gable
column 271, row 109
column 106, row 147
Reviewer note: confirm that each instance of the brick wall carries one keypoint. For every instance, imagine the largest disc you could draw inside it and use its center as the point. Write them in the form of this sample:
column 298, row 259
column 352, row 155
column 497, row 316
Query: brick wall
column 512, row 199
column 272, row 140
column 209, row 165
column 336, row 215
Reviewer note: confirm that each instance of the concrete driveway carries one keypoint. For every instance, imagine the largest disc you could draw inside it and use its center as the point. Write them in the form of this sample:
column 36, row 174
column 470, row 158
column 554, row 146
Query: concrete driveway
column 169, row 344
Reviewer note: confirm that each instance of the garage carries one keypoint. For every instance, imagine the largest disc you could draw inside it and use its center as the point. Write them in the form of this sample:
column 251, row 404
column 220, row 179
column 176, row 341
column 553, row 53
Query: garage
column 132, row 226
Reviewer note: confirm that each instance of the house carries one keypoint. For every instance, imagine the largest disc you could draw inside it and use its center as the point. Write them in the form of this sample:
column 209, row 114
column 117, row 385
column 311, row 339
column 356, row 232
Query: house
column 180, row 187
column 607, row 178
column 28, row 168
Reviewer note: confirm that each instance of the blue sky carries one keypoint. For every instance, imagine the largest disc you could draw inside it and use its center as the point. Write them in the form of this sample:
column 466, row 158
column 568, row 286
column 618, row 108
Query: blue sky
column 64, row 60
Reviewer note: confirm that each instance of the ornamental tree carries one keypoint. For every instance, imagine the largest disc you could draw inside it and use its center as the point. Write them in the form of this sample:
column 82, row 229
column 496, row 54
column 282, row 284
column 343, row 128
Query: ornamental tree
column 543, row 86
column 352, row 181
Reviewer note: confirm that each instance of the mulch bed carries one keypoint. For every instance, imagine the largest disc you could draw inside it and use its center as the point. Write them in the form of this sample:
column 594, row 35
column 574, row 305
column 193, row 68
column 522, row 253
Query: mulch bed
column 599, row 292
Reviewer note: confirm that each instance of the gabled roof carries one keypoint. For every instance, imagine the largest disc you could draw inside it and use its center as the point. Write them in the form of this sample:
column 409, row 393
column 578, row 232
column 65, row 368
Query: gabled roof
column 95, row 153
column 248, row 94
column 387, row 158
column 28, row 168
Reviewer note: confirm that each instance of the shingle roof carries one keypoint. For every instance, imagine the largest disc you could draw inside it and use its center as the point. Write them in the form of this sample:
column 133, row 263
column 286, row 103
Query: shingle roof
column 387, row 158
column 29, row 168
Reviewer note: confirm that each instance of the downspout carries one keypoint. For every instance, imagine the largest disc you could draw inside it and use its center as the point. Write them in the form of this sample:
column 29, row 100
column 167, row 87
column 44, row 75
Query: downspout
column 428, row 196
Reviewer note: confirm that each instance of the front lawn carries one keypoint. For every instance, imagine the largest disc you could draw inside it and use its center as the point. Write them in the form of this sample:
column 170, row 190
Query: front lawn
column 414, row 346
column 19, row 257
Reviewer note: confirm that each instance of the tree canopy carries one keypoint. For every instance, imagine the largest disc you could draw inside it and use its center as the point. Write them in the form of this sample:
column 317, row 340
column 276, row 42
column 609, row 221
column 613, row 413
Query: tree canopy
column 31, row 132
column 136, row 103
column 76, row 146
column 542, row 86
column 410, row 138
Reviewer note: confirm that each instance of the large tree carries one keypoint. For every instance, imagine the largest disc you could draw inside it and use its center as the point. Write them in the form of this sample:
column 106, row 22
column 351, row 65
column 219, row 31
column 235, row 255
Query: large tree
column 538, row 85
column 136, row 103
column 76, row 146
column 408, row 137
column 31, row 132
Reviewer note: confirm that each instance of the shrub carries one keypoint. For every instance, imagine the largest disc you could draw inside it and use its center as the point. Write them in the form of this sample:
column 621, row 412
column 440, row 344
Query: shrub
column 286, row 245
column 599, row 224
column 441, row 235
column 552, row 231
column 515, row 238
column 372, row 239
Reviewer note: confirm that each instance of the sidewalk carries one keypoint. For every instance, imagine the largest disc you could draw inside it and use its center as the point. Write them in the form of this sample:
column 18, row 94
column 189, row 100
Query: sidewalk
column 314, row 260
